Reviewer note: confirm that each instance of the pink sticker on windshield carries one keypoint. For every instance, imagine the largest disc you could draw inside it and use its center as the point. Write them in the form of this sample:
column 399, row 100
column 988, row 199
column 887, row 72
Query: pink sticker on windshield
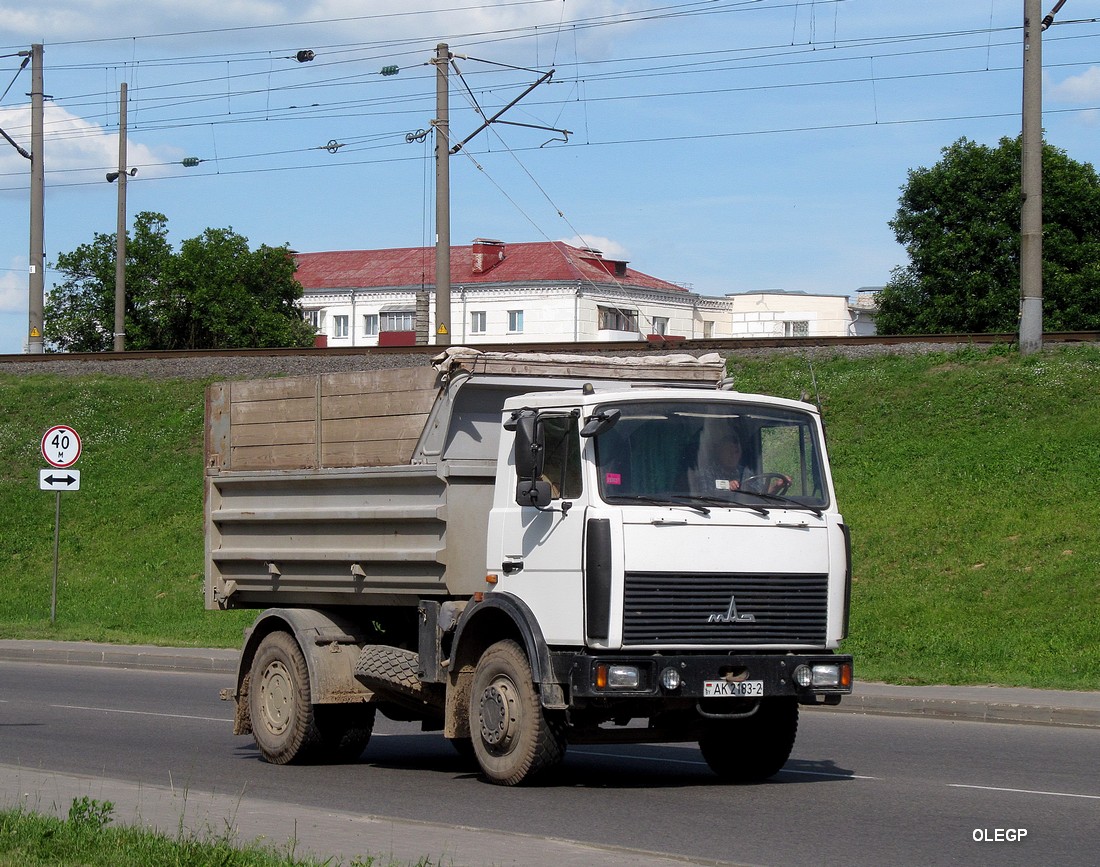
column 613, row 479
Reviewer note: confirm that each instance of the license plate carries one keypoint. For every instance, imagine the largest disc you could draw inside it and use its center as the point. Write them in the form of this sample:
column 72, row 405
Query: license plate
column 740, row 689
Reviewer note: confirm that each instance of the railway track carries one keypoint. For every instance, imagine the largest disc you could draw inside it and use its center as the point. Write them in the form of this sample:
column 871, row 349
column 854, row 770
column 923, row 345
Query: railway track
column 726, row 347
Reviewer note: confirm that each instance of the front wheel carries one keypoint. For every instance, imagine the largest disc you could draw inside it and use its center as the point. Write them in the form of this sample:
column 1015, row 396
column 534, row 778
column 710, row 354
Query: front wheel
column 753, row 748
column 513, row 737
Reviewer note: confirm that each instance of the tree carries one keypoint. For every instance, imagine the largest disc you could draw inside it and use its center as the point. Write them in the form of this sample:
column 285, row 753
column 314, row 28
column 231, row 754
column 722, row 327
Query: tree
column 80, row 313
column 215, row 293
column 959, row 222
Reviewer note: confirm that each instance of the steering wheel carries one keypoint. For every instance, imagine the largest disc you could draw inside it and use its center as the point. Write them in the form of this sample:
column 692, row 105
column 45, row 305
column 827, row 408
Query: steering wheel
column 767, row 483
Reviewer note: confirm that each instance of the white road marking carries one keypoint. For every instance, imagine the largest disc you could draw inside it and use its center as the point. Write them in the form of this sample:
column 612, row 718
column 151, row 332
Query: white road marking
column 826, row 774
column 1023, row 791
column 140, row 712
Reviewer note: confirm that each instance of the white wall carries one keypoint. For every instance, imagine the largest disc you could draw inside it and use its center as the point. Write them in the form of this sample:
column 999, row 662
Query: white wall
column 565, row 313
column 765, row 314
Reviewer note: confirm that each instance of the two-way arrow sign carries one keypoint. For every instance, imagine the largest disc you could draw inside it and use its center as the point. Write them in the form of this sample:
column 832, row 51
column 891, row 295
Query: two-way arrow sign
column 59, row 480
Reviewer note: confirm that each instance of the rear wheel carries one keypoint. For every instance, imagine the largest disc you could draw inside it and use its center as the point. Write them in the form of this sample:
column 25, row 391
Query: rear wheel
column 345, row 730
column 283, row 722
column 753, row 748
column 513, row 737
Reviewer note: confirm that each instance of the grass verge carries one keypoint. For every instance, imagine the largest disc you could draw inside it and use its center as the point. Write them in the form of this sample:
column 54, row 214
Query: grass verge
column 87, row 839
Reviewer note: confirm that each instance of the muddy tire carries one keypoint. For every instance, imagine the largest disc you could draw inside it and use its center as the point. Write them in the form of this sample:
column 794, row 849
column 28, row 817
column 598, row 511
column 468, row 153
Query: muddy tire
column 513, row 738
column 752, row 749
column 283, row 722
column 345, row 731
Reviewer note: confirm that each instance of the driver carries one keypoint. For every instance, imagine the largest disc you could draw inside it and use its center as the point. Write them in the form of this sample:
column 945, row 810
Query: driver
column 720, row 466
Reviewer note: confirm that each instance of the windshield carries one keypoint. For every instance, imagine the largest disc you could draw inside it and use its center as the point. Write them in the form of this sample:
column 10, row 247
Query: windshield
column 713, row 453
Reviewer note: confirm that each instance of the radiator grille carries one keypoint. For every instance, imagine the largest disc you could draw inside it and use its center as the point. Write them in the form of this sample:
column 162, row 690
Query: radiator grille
column 678, row 608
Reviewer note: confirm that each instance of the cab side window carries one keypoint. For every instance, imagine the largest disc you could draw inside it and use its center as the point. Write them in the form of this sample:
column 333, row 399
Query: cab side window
column 562, row 463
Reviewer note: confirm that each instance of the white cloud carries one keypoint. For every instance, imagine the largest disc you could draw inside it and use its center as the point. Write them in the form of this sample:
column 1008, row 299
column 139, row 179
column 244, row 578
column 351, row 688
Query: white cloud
column 13, row 288
column 610, row 249
column 276, row 21
column 1079, row 88
column 76, row 150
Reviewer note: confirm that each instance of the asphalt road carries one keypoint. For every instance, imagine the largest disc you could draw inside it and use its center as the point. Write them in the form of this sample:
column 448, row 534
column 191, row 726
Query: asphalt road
column 858, row 790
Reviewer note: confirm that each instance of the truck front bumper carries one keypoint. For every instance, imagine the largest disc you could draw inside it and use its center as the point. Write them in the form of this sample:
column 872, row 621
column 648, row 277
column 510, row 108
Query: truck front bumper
column 810, row 678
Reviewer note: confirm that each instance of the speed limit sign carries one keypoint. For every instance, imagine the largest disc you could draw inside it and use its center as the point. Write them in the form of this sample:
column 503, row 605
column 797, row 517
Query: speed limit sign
column 61, row 446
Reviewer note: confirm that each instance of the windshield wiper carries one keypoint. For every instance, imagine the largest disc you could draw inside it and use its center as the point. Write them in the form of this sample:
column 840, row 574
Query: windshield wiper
column 730, row 504
column 671, row 501
column 779, row 498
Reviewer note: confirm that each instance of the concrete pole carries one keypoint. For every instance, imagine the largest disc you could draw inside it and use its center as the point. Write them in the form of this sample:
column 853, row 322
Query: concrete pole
column 442, row 198
column 37, row 287
column 120, row 232
column 1031, row 185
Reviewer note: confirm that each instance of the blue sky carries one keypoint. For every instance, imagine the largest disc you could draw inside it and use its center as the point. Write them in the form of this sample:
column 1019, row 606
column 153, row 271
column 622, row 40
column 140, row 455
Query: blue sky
column 727, row 145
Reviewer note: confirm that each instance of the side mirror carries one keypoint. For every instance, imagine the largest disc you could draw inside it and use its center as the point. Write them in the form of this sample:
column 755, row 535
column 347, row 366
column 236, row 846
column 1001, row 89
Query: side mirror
column 600, row 423
column 537, row 493
column 528, row 448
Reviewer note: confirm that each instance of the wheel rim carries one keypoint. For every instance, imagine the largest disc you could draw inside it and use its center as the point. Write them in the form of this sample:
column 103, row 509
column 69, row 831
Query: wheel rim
column 498, row 715
column 276, row 697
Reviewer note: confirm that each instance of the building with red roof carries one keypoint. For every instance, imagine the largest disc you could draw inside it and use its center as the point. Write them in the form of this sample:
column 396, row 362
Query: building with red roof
column 538, row 292
column 500, row 293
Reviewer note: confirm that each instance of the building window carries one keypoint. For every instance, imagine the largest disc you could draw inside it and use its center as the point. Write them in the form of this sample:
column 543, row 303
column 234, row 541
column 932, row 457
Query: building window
column 400, row 321
column 799, row 328
column 616, row 319
column 315, row 318
column 708, row 329
column 660, row 325
column 477, row 322
column 340, row 326
column 370, row 325
column 515, row 321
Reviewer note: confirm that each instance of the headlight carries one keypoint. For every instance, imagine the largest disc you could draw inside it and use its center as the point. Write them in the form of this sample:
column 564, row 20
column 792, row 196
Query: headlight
column 670, row 679
column 828, row 675
column 618, row 676
column 623, row 677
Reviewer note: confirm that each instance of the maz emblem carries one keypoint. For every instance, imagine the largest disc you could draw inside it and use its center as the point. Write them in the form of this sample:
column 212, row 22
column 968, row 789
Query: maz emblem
column 731, row 615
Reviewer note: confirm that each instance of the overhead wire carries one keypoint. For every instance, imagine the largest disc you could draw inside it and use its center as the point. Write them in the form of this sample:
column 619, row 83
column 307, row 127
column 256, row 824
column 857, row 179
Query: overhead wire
column 384, row 106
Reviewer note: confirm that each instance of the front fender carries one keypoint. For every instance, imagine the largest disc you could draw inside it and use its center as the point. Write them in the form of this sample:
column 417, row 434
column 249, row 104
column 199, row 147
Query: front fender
column 496, row 617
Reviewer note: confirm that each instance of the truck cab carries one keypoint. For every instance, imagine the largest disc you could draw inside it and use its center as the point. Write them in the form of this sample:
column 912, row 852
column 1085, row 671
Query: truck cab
column 682, row 559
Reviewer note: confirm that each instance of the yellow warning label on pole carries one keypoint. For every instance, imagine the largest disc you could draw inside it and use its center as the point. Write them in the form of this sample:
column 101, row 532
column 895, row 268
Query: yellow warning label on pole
column 442, row 329
column 35, row 332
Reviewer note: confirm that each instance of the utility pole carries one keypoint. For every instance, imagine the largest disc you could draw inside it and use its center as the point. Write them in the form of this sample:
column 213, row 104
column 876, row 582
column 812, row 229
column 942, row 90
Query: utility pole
column 442, row 198
column 36, row 286
column 443, row 152
column 1031, row 185
column 120, row 234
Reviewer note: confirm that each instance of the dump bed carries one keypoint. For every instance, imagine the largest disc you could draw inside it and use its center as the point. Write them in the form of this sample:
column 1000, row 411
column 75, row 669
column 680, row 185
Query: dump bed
column 374, row 487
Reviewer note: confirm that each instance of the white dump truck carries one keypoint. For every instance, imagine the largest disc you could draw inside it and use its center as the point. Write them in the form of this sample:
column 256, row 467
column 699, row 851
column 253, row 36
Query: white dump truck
column 524, row 552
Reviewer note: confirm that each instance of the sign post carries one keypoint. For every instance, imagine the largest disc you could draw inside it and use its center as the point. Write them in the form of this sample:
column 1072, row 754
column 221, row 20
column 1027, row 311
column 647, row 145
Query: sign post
column 61, row 448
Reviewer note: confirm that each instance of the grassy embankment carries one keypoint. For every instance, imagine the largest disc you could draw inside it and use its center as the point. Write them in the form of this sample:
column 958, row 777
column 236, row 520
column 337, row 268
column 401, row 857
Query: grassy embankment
column 970, row 482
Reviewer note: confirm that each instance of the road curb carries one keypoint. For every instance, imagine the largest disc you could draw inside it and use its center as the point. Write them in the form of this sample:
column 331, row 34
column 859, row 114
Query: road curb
column 121, row 656
column 970, row 710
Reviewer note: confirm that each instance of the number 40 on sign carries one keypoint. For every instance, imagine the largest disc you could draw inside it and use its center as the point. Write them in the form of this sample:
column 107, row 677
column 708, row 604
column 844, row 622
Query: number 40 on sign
column 61, row 446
